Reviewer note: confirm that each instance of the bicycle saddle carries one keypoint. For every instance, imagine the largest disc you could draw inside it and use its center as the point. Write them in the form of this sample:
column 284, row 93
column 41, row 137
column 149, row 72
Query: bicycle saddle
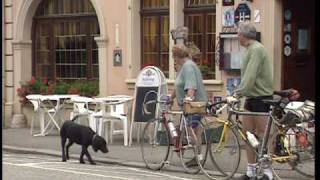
column 272, row 102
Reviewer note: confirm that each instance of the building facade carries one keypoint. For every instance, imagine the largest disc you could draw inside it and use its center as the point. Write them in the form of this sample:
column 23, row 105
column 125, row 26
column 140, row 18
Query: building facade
column 111, row 41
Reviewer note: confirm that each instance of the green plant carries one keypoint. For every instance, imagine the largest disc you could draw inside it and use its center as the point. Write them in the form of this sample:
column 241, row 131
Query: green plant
column 86, row 87
column 61, row 87
column 206, row 70
column 37, row 86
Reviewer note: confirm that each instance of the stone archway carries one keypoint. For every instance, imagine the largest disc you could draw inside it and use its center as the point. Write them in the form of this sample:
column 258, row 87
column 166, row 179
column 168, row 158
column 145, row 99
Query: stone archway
column 22, row 51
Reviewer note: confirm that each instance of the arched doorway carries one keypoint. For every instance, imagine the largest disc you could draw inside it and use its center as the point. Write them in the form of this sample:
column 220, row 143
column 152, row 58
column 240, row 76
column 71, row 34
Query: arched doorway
column 63, row 45
column 22, row 51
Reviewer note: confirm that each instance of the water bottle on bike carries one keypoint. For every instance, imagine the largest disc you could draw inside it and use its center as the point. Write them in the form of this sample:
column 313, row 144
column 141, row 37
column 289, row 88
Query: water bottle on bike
column 252, row 139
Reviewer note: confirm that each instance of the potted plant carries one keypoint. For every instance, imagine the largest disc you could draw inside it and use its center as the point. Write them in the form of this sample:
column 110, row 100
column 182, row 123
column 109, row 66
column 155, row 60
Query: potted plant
column 43, row 86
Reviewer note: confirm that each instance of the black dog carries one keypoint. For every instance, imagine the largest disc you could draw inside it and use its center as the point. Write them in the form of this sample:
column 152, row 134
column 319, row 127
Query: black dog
column 83, row 136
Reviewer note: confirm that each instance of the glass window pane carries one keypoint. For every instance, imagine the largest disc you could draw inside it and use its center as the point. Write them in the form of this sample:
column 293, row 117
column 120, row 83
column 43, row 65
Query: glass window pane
column 154, row 4
column 202, row 27
column 211, row 42
column 69, row 59
column 56, row 7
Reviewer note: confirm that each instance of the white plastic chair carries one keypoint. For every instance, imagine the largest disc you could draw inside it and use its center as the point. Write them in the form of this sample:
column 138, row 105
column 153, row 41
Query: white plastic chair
column 81, row 108
column 36, row 100
column 116, row 114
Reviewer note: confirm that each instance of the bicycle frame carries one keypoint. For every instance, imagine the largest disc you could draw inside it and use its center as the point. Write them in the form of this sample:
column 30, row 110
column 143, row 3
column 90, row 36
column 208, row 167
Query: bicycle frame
column 263, row 150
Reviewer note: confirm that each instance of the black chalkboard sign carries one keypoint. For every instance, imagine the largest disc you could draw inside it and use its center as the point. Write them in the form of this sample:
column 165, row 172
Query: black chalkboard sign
column 139, row 115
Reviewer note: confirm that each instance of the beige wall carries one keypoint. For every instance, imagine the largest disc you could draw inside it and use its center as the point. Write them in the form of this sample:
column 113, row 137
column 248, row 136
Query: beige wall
column 270, row 28
column 125, row 13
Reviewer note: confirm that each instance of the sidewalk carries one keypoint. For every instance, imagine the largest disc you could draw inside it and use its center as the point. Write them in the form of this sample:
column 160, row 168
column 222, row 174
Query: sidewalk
column 20, row 140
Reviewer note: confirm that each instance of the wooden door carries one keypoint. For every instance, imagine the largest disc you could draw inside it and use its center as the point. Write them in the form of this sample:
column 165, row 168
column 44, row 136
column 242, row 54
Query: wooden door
column 298, row 70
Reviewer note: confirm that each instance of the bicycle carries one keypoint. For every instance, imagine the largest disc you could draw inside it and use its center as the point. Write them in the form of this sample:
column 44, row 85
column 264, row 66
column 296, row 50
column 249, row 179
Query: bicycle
column 159, row 135
column 298, row 153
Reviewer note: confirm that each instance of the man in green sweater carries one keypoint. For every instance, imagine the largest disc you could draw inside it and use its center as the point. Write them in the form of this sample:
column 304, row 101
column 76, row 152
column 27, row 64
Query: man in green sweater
column 256, row 84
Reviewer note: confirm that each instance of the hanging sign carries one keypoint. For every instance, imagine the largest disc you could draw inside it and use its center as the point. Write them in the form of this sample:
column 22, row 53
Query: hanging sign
column 228, row 2
column 257, row 16
column 287, row 27
column 242, row 13
column 287, row 39
column 117, row 57
column 228, row 18
column 287, row 50
column 287, row 15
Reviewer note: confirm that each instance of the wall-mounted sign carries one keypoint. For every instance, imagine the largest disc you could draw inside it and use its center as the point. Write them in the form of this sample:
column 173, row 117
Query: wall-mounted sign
column 228, row 17
column 117, row 57
column 228, row 2
column 287, row 27
column 257, row 16
column 287, row 38
column 242, row 13
column 287, row 15
column 287, row 50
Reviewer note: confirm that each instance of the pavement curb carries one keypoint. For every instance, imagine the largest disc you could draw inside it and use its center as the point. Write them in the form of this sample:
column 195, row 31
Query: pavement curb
column 55, row 153
column 133, row 164
column 73, row 156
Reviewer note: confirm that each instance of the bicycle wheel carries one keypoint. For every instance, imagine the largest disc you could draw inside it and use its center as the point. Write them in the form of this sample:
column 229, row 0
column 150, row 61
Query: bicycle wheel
column 155, row 144
column 305, row 153
column 303, row 164
column 190, row 153
column 224, row 150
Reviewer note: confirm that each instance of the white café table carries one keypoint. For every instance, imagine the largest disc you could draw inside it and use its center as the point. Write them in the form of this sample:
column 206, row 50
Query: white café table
column 50, row 105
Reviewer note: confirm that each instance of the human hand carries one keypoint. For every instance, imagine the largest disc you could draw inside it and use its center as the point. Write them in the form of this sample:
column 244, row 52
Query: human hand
column 168, row 99
column 188, row 99
column 231, row 99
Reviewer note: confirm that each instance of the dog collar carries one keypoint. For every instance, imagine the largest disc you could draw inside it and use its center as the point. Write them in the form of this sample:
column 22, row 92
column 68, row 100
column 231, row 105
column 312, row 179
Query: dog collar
column 94, row 137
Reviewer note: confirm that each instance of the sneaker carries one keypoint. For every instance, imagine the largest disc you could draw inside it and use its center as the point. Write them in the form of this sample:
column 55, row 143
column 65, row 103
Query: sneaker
column 245, row 177
column 264, row 177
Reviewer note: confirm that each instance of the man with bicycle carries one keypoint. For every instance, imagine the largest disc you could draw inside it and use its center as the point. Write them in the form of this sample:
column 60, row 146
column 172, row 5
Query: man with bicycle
column 256, row 85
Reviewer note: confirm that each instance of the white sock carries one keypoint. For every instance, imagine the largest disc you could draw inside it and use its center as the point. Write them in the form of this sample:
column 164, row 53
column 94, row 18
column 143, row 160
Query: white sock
column 268, row 172
column 251, row 170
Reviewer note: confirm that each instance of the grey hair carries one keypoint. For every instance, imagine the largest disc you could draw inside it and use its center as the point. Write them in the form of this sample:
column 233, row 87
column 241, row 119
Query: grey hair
column 247, row 29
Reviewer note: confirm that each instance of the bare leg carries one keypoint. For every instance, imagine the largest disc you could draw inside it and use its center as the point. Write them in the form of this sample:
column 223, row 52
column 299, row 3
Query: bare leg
column 261, row 123
column 196, row 135
column 249, row 125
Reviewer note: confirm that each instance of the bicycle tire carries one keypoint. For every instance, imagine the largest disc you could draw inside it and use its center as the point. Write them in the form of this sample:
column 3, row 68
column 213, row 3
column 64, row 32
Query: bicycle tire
column 305, row 167
column 156, row 141
column 189, row 152
column 230, row 151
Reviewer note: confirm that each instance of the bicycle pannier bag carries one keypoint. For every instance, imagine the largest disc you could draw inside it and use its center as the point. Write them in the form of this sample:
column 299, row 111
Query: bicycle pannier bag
column 194, row 107
column 304, row 113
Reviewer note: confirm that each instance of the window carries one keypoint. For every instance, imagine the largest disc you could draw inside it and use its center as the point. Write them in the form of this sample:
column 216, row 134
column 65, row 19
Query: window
column 63, row 34
column 155, row 34
column 200, row 18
